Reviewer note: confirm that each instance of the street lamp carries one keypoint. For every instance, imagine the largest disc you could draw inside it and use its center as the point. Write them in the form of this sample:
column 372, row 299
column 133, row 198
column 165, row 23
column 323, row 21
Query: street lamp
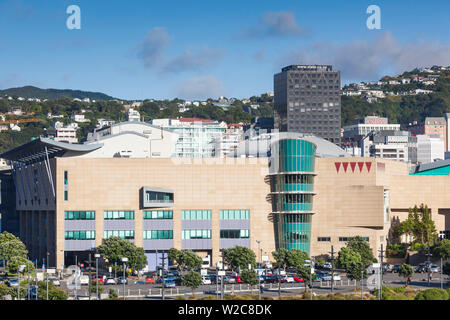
column 19, row 270
column 48, row 265
column 124, row 266
column 257, row 275
column 97, row 255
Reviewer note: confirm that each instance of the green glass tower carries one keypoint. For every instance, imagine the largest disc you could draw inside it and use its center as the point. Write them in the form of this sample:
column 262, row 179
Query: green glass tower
column 292, row 191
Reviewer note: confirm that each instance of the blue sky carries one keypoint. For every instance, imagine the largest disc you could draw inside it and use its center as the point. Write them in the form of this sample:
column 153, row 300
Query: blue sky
column 197, row 49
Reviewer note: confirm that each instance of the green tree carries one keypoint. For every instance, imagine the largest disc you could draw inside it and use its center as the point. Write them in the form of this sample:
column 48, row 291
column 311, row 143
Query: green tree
column 116, row 248
column 442, row 249
column 419, row 225
column 347, row 256
column 93, row 287
column 361, row 246
column 190, row 259
column 174, row 256
column 11, row 246
column 239, row 257
column 249, row 276
column 295, row 258
column 280, row 257
column 54, row 293
column 113, row 294
column 446, row 269
column 192, row 280
column 432, row 294
column 405, row 271
column 356, row 271
column 15, row 262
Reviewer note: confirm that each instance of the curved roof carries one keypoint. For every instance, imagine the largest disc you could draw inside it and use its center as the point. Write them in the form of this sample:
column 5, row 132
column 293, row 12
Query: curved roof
column 39, row 148
column 259, row 146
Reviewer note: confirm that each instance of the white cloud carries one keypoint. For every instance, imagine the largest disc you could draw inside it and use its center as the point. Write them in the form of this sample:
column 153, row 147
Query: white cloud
column 195, row 61
column 369, row 59
column 151, row 50
column 201, row 87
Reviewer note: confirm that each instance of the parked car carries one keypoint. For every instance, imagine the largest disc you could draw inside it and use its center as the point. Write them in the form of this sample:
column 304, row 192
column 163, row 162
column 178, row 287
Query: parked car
column 55, row 281
column 149, row 280
column 421, row 268
column 122, row 280
column 327, row 277
column 169, row 284
column 99, row 279
column 288, row 279
column 386, row 267
column 229, row 279
column 84, row 280
column 206, row 280
column 13, row 283
column 110, row 281
column 237, row 279
column 434, row 268
column 395, row 268
column 297, row 279
column 327, row 265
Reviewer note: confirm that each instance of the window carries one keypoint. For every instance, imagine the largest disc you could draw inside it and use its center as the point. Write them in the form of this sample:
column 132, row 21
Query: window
column 124, row 234
column 80, row 235
column 79, row 215
column 196, row 214
column 323, row 239
column 196, row 234
column 234, row 234
column 157, row 234
column 343, row 239
column 66, row 186
column 234, row 214
column 118, row 215
column 158, row 214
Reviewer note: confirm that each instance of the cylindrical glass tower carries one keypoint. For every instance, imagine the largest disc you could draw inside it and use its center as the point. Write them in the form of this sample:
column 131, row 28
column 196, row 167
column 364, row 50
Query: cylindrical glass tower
column 292, row 191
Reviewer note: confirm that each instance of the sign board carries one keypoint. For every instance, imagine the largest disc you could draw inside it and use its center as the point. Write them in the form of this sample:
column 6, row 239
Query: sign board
column 376, row 265
column 40, row 276
column 51, row 271
column 219, row 265
column 249, row 266
column 282, row 273
column 265, row 258
column 204, row 272
column 110, row 269
column 221, row 273
column 312, row 270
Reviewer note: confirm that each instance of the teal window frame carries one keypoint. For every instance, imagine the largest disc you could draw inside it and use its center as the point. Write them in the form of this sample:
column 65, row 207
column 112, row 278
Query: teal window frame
column 234, row 214
column 124, row 234
column 79, row 215
column 79, row 235
column 197, row 214
column 157, row 214
column 188, row 234
column 157, row 234
column 118, row 215
column 234, row 234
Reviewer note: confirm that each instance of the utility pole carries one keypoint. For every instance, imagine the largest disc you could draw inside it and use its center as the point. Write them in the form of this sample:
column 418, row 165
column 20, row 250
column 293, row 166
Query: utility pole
column 380, row 291
column 429, row 261
column 89, row 283
column 257, row 275
column 311, row 268
column 279, row 282
column 332, row 269
column 361, row 282
column 221, row 277
column 96, row 274
column 163, row 280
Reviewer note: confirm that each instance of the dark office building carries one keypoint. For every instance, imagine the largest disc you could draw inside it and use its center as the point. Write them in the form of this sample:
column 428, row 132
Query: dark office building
column 9, row 220
column 307, row 100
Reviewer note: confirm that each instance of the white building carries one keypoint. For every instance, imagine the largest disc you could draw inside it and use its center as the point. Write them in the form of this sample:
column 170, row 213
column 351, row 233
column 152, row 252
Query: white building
column 132, row 140
column 197, row 137
column 227, row 143
column 429, row 149
column 79, row 118
column 133, row 115
column 14, row 127
column 103, row 123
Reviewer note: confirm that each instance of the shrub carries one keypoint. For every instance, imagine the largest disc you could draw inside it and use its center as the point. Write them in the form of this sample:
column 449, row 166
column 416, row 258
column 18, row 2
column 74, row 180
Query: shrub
column 432, row 294
column 396, row 250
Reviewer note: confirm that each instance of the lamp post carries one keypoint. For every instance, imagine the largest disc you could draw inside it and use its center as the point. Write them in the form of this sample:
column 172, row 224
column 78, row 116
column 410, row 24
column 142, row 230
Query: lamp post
column 89, row 283
column 19, row 270
column 124, row 267
column 257, row 275
column 96, row 273
column 48, row 265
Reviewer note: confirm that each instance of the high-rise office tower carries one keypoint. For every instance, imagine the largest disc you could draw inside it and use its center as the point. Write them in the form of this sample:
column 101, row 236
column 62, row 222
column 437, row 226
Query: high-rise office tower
column 307, row 100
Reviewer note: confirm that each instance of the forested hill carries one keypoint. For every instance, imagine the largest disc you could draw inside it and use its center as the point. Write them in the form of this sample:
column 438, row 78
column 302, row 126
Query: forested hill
column 52, row 94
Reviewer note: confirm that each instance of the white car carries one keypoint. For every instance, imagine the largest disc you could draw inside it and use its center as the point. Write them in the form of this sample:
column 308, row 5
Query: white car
column 55, row 281
column 84, row 280
column 289, row 279
column 206, row 280
column 110, row 281
column 336, row 277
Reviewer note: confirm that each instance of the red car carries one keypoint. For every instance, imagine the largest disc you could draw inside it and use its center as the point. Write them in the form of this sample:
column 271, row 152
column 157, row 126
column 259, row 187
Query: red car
column 100, row 279
column 149, row 280
column 297, row 279
column 237, row 279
